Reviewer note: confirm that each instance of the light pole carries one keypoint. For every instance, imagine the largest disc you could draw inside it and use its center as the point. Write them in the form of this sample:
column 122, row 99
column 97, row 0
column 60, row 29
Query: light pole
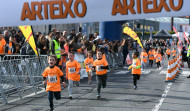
column 143, row 28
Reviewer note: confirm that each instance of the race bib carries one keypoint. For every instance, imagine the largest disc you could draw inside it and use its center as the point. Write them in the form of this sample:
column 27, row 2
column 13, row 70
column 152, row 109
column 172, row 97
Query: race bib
column 143, row 57
column 52, row 79
column 158, row 58
column 72, row 70
column 90, row 66
column 99, row 68
column 151, row 55
column 134, row 63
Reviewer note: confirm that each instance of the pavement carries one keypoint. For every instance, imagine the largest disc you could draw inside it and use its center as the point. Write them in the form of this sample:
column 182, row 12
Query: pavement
column 152, row 94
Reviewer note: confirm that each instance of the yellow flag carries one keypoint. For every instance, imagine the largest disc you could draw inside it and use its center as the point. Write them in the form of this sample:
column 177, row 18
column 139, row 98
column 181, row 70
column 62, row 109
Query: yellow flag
column 27, row 32
column 132, row 34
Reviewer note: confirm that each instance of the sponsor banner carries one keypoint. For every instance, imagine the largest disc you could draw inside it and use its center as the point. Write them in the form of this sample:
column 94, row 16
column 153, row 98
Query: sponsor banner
column 39, row 12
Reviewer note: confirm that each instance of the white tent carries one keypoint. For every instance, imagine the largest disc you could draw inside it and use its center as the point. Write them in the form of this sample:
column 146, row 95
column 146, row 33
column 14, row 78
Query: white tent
column 180, row 34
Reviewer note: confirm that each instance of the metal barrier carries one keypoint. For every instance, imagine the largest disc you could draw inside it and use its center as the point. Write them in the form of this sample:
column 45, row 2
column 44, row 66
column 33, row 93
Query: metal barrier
column 11, row 57
column 20, row 75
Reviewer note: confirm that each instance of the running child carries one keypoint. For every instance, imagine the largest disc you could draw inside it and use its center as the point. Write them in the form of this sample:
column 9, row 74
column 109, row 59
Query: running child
column 158, row 59
column 101, row 66
column 151, row 57
column 89, row 63
column 62, row 62
column 72, row 73
column 136, row 69
column 143, row 57
column 168, row 52
column 53, row 75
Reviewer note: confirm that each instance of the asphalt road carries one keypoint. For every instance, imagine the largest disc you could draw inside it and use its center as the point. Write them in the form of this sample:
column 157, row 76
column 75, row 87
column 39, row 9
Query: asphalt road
column 152, row 94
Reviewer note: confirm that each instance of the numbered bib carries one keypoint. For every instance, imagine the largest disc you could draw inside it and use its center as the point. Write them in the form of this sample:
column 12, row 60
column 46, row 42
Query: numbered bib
column 143, row 57
column 134, row 63
column 99, row 68
column 90, row 66
column 158, row 58
column 151, row 55
column 72, row 70
column 52, row 79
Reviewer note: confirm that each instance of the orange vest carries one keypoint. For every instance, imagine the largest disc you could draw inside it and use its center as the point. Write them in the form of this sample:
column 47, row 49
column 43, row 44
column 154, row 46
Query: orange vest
column 136, row 62
column 53, row 78
column 158, row 58
column 174, row 52
column 168, row 51
column 144, row 56
column 98, row 63
column 89, row 66
column 71, row 70
column 151, row 55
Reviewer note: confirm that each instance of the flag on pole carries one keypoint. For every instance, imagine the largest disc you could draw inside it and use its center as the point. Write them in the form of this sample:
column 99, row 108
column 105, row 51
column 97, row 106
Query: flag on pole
column 27, row 32
column 186, row 37
column 132, row 34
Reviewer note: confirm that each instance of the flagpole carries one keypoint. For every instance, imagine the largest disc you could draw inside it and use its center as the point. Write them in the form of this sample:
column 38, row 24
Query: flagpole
column 38, row 53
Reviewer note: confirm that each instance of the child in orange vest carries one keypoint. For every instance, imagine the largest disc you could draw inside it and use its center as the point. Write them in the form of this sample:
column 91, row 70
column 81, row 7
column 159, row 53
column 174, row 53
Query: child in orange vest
column 158, row 59
column 136, row 69
column 89, row 63
column 151, row 57
column 143, row 57
column 72, row 72
column 53, row 75
column 62, row 62
column 168, row 52
column 101, row 66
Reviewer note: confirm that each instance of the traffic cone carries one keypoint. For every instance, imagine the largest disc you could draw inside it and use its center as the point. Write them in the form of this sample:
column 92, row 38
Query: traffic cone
column 172, row 69
column 169, row 74
column 175, row 67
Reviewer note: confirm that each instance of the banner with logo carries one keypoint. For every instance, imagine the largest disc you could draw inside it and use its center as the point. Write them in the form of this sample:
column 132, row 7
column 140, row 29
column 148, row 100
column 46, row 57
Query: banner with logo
column 41, row 12
column 27, row 32
column 132, row 34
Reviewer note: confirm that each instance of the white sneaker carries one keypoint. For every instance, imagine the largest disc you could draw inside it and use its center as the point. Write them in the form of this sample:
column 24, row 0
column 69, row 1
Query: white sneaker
column 70, row 97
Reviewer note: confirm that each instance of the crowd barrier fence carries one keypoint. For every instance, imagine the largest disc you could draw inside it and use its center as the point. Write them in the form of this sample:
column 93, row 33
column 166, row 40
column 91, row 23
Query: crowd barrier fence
column 21, row 73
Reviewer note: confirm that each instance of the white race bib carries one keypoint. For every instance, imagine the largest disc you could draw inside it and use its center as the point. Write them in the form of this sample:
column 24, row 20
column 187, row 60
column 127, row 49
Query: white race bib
column 99, row 68
column 72, row 70
column 158, row 58
column 151, row 55
column 52, row 79
column 134, row 63
column 90, row 66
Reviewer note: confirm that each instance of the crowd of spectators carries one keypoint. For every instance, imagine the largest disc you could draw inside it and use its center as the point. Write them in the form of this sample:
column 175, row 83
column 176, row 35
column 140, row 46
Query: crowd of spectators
column 14, row 42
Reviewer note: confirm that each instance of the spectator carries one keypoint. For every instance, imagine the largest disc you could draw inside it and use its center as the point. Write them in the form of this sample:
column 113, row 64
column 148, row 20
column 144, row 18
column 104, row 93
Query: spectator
column 17, row 50
column 6, row 36
column 10, row 47
column 19, row 38
column 72, row 34
column 62, row 42
column 2, row 45
column 125, row 50
column 43, row 45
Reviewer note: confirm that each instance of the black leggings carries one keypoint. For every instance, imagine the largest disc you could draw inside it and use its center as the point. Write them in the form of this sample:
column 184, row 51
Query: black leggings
column 151, row 62
column 158, row 64
column 101, row 81
column 135, row 78
column 168, row 57
column 124, row 58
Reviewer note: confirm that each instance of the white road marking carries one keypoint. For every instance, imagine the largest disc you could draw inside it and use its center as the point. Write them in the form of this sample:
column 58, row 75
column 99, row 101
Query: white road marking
column 163, row 72
column 146, row 72
column 185, row 73
column 122, row 72
column 158, row 105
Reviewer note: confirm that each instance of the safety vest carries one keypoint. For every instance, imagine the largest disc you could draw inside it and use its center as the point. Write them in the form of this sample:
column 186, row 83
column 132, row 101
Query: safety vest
column 10, row 48
column 57, row 49
column 188, row 53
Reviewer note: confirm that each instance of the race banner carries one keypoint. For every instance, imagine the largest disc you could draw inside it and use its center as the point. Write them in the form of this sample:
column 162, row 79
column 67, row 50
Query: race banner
column 132, row 34
column 27, row 32
column 44, row 12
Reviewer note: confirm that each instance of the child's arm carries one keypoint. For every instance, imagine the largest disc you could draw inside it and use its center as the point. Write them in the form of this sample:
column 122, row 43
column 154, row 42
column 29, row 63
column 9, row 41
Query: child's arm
column 137, row 67
column 130, row 67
